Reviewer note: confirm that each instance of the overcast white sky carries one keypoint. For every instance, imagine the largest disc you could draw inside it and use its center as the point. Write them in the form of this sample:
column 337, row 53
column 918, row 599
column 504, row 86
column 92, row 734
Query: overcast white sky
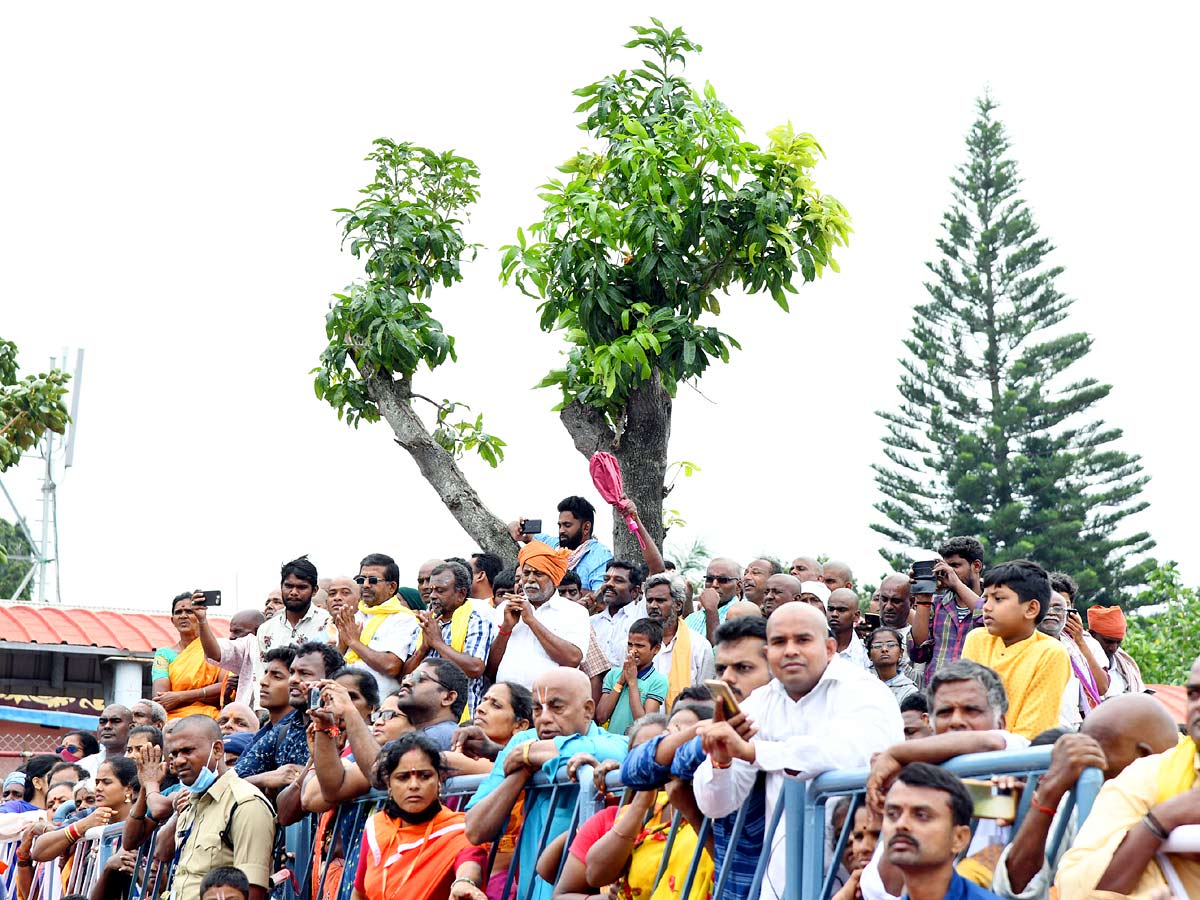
column 166, row 182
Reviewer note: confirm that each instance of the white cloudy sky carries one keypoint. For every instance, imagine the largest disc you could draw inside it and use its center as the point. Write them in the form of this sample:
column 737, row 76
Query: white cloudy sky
column 166, row 181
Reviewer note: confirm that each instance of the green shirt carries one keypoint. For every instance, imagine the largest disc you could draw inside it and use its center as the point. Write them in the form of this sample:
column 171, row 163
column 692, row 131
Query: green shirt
column 652, row 685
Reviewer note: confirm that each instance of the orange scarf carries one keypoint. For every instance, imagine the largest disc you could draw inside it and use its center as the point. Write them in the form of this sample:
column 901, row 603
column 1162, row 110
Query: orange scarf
column 412, row 861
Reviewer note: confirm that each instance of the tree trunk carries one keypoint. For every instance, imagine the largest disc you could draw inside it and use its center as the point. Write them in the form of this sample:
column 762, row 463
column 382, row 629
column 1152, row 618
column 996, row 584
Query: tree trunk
column 440, row 470
column 640, row 446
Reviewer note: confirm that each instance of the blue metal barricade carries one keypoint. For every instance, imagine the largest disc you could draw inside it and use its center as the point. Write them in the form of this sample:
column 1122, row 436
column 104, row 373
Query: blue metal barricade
column 801, row 806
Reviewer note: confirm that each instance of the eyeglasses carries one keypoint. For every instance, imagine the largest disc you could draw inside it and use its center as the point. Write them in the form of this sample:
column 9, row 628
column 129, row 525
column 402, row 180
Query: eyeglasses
column 69, row 748
column 418, row 676
column 384, row 715
column 367, row 579
column 886, row 645
column 719, row 579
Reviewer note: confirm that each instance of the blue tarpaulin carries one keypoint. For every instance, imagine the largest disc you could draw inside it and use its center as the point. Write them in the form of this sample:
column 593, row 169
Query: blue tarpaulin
column 48, row 718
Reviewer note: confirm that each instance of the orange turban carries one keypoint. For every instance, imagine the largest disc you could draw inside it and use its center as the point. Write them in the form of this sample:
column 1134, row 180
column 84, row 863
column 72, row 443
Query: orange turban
column 1107, row 621
column 545, row 558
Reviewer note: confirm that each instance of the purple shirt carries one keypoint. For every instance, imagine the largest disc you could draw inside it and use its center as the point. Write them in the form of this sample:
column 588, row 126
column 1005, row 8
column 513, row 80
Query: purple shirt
column 947, row 633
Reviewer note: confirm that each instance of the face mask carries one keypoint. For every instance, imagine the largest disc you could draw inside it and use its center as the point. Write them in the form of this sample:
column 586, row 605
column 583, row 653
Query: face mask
column 206, row 778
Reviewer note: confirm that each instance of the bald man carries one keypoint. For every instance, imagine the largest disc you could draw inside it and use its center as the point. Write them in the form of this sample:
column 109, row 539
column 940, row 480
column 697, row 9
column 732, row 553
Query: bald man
column 228, row 820
column 739, row 608
column 807, row 568
column 425, row 576
column 819, row 712
column 1115, row 734
column 722, row 586
column 781, row 589
column 842, row 610
column 836, row 574
column 237, row 717
column 562, row 726
column 754, row 579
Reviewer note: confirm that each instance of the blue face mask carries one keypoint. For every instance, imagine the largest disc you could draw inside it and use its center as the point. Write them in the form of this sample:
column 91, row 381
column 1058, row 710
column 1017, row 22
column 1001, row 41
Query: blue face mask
column 206, row 778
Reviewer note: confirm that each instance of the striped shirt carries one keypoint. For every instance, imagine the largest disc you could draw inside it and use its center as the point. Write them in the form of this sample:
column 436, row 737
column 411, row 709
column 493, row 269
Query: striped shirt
column 480, row 634
column 948, row 631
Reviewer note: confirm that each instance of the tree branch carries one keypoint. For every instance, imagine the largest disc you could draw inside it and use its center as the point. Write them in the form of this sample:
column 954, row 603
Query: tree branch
column 439, row 468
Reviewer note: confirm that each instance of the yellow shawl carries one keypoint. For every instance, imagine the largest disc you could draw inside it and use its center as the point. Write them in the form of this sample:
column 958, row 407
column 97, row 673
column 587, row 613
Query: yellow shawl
column 1177, row 770
column 458, row 640
column 680, row 674
column 376, row 616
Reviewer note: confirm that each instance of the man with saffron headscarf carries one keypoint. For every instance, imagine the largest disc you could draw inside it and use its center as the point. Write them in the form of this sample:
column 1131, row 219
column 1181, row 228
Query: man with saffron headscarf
column 383, row 634
column 539, row 630
column 1107, row 625
column 1119, row 848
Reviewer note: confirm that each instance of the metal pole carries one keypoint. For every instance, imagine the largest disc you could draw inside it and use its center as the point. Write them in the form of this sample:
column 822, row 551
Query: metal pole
column 47, row 496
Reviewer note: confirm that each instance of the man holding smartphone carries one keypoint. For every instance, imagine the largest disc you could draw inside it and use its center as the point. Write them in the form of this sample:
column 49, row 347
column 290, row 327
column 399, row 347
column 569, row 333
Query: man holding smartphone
column 576, row 522
column 943, row 619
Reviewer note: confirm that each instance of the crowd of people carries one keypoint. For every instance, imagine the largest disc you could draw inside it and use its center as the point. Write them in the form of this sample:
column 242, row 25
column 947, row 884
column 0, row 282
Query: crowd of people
column 706, row 699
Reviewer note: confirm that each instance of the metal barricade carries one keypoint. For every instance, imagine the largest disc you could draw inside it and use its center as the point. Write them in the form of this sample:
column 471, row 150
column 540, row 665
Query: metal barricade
column 801, row 805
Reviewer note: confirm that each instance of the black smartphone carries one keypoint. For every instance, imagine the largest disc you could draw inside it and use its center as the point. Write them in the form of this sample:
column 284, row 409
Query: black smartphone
column 925, row 582
column 873, row 620
column 211, row 598
column 532, row 526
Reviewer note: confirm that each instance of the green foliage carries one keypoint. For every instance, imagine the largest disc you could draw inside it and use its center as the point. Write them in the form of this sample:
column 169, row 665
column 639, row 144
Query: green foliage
column 407, row 232
column 1165, row 644
column 672, row 208
column 29, row 406
column 673, row 517
column 12, row 570
column 990, row 438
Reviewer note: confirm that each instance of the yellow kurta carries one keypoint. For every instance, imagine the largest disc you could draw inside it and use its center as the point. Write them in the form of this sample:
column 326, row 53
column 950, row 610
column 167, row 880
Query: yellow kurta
column 1119, row 807
column 1035, row 673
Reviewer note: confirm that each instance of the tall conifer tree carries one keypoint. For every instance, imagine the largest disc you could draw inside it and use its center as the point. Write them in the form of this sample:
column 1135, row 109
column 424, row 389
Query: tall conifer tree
column 994, row 437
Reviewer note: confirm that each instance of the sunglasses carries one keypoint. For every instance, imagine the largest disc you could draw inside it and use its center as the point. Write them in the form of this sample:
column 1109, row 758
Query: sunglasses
column 384, row 715
column 67, row 748
column 719, row 579
column 367, row 579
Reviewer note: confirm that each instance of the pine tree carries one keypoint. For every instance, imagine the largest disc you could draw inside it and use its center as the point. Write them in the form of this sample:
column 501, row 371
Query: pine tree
column 993, row 437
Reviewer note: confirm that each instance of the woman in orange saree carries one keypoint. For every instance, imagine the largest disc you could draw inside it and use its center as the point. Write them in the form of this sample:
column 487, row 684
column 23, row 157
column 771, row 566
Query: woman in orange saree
column 185, row 683
column 415, row 848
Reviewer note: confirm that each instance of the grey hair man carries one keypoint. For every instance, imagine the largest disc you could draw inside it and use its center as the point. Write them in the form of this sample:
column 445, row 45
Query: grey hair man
column 664, row 598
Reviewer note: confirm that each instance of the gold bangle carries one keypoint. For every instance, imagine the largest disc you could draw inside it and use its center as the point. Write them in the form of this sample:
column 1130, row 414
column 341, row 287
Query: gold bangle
column 525, row 758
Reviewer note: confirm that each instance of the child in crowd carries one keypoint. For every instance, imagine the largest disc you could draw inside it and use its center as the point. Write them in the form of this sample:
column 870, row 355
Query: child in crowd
column 1033, row 666
column 225, row 883
column 635, row 689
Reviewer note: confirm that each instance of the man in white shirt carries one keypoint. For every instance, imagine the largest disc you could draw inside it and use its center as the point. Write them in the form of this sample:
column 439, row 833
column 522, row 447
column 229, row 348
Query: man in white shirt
column 842, row 607
column 621, row 605
column 383, row 633
column 300, row 620
column 819, row 712
column 113, row 734
column 539, row 630
column 664, row 602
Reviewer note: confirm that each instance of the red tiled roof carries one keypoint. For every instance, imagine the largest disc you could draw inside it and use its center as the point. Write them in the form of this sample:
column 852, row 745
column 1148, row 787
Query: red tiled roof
column 1174, row 698
column 24, row 623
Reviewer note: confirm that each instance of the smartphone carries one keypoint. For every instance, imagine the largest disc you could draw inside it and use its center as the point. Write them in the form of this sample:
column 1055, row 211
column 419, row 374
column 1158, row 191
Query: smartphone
column 721, row 693
column 211, row 598
column 532, row 526
column 873, row 620
column 925, row 582
column 990, row 802
column 314, row 698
